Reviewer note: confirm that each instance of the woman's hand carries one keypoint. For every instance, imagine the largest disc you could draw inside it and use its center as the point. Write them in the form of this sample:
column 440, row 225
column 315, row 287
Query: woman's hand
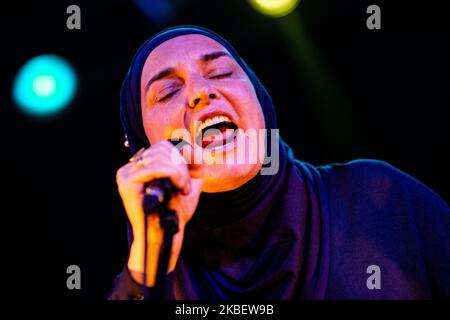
column 161, row 160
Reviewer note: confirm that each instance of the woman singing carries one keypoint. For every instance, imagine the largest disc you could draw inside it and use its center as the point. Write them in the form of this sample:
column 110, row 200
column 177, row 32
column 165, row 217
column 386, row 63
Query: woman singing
column 252, row 226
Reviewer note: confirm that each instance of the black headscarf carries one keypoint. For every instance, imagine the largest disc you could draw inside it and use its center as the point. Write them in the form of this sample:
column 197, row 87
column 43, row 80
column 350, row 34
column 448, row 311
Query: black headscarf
column 268, row 238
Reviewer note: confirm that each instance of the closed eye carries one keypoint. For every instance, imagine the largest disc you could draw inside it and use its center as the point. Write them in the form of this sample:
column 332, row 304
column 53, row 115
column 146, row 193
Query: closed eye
column 169, row 95
column 221, row 75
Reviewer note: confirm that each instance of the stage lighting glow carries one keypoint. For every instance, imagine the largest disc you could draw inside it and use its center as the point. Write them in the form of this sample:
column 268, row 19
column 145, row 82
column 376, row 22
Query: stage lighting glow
column 275, row 8
column 44, row 85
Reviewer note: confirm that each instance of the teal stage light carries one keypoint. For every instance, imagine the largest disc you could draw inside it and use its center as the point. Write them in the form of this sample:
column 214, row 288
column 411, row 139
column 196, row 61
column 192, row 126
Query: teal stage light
column 44, row 86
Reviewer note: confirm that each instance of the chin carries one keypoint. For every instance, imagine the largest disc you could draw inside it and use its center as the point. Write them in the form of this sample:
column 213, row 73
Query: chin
column 227, row 177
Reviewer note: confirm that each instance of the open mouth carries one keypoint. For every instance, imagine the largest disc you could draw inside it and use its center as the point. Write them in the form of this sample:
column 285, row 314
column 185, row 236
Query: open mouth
column 215, row 132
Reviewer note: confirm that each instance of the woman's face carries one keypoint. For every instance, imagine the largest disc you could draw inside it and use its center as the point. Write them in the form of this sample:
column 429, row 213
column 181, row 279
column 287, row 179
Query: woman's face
column 190, row 83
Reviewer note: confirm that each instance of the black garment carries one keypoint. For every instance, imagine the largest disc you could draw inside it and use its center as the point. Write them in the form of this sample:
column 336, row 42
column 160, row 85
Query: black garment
column 316, row 239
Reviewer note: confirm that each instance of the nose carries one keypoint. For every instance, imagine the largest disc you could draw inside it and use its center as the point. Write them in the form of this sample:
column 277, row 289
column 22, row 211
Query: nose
column 201, row 96
column 201, row 99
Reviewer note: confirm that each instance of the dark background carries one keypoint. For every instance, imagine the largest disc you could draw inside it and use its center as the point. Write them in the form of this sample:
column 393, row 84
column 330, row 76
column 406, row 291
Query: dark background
column 379, row 94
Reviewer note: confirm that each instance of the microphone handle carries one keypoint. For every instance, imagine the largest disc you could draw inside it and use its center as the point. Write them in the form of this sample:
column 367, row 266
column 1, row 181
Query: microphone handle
column 157, row 194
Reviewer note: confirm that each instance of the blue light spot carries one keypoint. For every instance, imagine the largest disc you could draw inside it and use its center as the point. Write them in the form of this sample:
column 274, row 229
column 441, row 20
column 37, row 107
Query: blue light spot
column 44, row 85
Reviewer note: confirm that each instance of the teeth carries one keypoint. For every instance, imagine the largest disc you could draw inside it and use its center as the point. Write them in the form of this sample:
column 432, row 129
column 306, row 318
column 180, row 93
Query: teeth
column 212, row 121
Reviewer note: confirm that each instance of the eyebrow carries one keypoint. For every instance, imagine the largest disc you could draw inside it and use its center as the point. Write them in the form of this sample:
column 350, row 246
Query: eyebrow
column 168, row 71
column 213, row 55
column 162, row 74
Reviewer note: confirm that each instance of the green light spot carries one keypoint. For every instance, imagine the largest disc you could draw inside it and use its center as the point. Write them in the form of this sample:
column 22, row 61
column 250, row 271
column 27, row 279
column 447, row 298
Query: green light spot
column 275, row 8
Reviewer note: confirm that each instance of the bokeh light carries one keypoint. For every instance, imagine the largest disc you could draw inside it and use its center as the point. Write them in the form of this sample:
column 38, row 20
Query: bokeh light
column 44, row 85
column 275, row 8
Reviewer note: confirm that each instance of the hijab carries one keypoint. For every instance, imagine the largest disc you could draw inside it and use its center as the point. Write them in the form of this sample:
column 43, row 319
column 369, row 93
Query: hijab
column 266, row 239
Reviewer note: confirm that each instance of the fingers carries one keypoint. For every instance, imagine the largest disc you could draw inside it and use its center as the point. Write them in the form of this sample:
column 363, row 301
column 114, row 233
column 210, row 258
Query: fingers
column 178, row 175
column 182, row 153
column 162, row 160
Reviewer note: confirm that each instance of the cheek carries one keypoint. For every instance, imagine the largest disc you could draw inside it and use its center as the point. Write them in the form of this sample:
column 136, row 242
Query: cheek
column 160, row 121
column 153, row 131
column 246, row 104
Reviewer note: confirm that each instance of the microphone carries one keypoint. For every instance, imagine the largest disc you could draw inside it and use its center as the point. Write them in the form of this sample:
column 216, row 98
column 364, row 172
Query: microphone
column 158, row 192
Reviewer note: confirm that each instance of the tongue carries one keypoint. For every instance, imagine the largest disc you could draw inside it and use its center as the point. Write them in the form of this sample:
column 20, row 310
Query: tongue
column 218, row 136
